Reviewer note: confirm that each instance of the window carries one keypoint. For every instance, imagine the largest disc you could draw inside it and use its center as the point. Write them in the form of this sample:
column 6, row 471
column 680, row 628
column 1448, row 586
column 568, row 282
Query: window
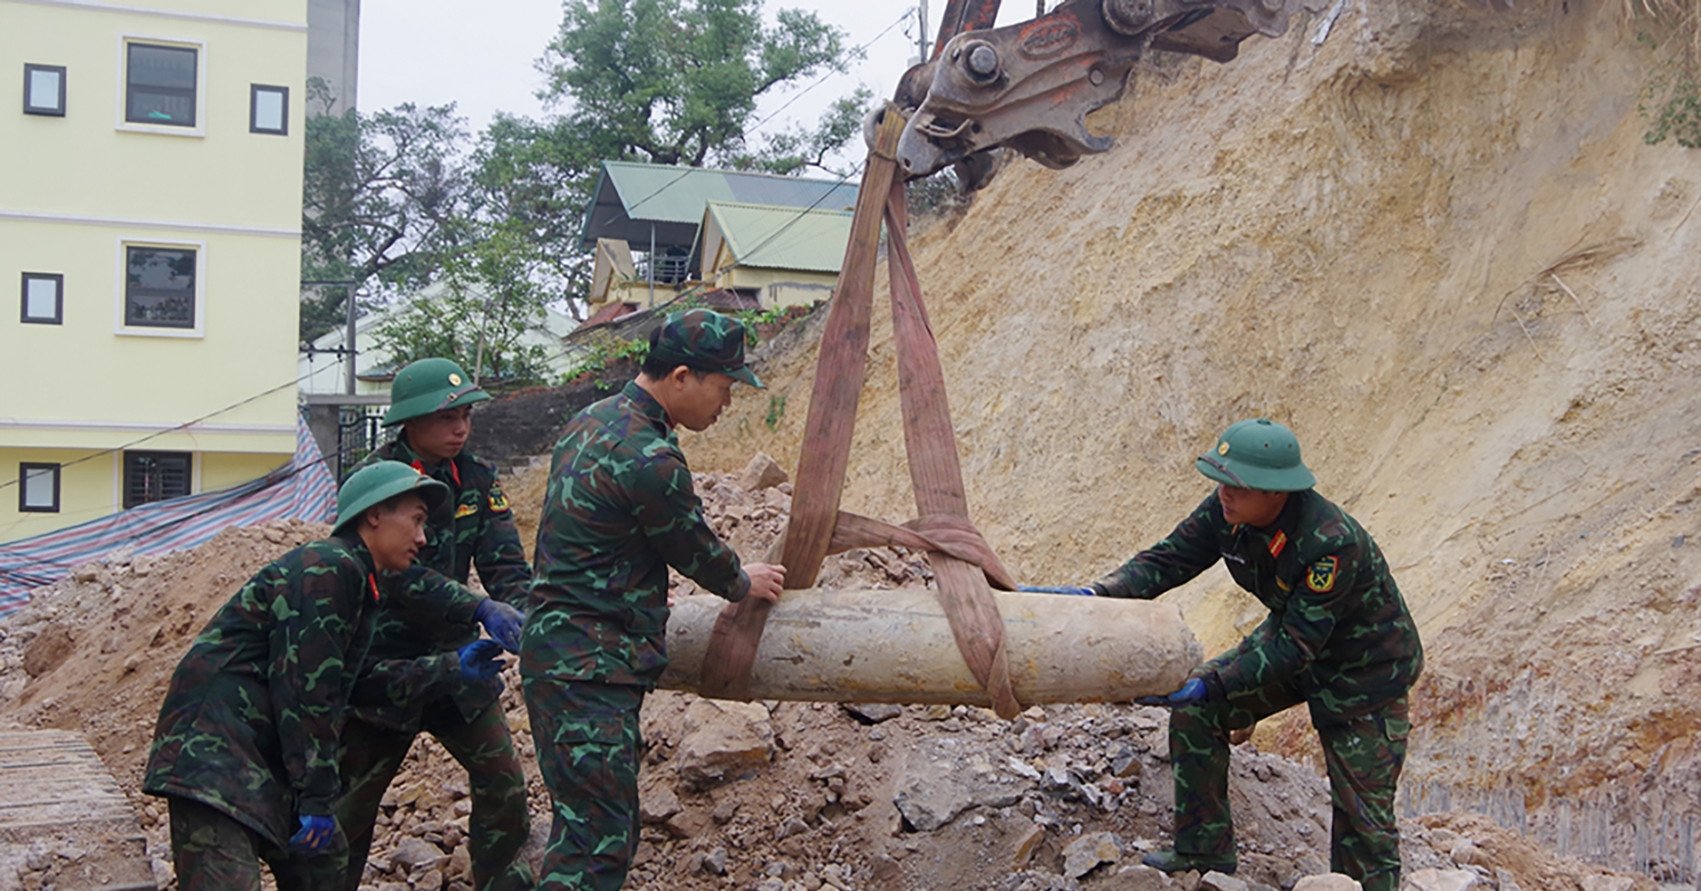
column 268, row 109
column 154, row 476
column 44, row 89
column 159, row 84
column 38, row 488
column 44, row 298
column 159, row 287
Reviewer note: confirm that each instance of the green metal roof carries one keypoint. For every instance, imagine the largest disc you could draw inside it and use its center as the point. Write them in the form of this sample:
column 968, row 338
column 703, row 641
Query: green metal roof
column 633, row 199
column 781, row 237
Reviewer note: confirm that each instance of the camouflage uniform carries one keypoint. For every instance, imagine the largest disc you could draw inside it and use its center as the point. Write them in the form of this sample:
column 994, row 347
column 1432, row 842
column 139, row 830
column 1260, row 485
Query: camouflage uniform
column 411, row 680
column 620, row 509
column 1338, row 638
column 247, row 736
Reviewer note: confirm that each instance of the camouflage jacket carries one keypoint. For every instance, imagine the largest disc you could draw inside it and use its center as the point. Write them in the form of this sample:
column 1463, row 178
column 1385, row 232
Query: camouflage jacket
column 620, row 509
column 416, row 634
column 250, row 722
column 1338, row 627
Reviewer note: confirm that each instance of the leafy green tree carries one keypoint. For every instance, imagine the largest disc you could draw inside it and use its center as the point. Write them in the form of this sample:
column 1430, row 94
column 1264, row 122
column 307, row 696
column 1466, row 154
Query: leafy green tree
column 479, row 317
column 533, row 178
column 676, row 81
column 803, row 146
column 384, row 196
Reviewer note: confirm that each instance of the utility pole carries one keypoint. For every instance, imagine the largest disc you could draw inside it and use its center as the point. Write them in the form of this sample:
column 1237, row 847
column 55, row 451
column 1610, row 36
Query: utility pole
column 348, row 339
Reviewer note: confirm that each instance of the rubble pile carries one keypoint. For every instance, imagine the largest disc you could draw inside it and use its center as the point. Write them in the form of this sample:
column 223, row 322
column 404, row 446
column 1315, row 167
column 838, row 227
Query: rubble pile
column 777, row 796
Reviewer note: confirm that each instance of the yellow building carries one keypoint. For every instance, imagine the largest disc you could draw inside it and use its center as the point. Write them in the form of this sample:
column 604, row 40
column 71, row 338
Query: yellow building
column 150, row 210
column 781, row 256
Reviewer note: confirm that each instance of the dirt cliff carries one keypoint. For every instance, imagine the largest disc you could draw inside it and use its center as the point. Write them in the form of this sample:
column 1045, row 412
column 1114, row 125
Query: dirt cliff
column 1437, row 245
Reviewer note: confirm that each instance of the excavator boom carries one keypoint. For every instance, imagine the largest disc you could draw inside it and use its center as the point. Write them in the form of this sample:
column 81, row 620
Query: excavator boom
column 1030, row 86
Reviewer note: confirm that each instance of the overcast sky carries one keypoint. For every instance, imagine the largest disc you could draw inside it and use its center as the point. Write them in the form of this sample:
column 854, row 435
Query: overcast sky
column 482, row 56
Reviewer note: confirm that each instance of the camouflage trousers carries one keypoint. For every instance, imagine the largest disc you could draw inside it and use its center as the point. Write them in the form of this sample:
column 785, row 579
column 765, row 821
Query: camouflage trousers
column 1363, row 754
column 588, row 748
column 214, row 852
column 369, row 756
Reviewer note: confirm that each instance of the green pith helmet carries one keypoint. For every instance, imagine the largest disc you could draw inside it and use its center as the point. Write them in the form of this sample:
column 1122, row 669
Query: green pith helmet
column 430, row 385
column 1257, row 454
column 372, row 484
column 705, row 340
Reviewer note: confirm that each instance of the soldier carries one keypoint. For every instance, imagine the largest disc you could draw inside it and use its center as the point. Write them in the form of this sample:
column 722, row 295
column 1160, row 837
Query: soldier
column 1338, row 638
column 244, row 751
column 620, row 509
column 410, row 680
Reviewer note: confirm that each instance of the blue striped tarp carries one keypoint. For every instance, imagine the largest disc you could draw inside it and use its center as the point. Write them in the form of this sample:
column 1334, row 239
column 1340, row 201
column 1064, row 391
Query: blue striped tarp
column 303, row 489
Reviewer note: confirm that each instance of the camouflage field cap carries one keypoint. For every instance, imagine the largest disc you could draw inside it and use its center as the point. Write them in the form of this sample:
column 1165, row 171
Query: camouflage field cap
column 373, row 484
column 706, row 341
column 430, row 385
column 1257, row 454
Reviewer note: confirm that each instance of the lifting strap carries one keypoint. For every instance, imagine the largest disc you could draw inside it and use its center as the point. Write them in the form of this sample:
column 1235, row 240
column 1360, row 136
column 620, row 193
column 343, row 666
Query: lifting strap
column 963, row 564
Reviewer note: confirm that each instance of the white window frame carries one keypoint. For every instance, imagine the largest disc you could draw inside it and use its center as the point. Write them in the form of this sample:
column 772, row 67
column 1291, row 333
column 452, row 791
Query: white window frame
column 199, row 330
column 200, row 48
column 30, row 70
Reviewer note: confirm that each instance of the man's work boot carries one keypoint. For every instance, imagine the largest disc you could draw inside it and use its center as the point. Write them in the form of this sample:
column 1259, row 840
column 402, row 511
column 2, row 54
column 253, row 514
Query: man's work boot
column 1175, row 861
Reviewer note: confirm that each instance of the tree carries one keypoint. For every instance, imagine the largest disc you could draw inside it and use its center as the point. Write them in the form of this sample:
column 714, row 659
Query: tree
column 534, row 178
column 480, row 319
column 383, row 196
column 676, row 81
column 803, row 146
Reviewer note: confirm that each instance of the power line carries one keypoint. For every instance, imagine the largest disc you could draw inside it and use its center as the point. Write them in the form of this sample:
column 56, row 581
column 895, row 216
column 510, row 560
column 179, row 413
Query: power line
column 158, row 433
column 823, row 79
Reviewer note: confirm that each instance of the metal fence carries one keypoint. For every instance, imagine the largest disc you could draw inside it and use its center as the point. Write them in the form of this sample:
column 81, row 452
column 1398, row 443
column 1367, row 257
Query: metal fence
column 359, row 431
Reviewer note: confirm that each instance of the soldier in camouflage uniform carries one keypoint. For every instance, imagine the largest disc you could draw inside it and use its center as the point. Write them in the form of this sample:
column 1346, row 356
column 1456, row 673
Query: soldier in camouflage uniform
column 620, row 509
column 411, row 679
column 245, row 747
column 1338, row 638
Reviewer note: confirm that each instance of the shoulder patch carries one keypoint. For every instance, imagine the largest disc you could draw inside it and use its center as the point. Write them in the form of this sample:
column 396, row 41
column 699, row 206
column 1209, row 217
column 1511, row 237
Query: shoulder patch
column 1321, row 576
column 498, row 502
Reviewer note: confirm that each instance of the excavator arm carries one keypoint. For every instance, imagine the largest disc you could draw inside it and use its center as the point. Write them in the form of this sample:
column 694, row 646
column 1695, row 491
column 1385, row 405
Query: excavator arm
column 1030, row 86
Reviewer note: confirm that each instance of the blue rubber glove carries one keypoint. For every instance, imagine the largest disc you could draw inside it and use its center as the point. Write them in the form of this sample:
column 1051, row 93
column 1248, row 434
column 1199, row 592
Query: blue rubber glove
column 478, row 660
column 1075, row 590
column 315, row 834
column 501, row 621
column 1193, row 692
